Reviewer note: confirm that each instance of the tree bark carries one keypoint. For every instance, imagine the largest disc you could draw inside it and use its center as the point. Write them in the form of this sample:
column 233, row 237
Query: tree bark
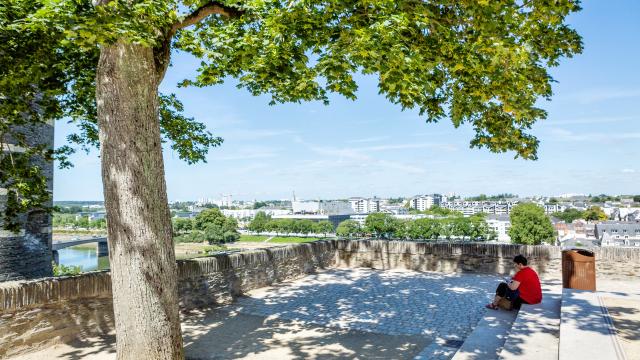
column 141, row 253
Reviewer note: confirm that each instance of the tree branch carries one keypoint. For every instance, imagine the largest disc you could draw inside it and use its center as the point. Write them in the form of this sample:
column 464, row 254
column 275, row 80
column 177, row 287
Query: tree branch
column 210, row 8
column 202, row 12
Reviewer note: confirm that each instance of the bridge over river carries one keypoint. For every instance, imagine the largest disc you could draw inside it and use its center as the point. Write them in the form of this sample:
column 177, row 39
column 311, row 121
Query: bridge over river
column 101, row 250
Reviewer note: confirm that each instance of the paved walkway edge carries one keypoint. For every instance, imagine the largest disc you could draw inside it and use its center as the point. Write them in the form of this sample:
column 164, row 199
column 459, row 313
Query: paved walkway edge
column 586, row 330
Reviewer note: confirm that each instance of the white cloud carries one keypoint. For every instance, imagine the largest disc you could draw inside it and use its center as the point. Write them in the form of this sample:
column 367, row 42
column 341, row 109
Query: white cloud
column 247, row 153
column 593, row 120
column 446, row 147
column 590, row 96
column 628, row 171
column 567, row 135
column 369, row 139
column 254, row 134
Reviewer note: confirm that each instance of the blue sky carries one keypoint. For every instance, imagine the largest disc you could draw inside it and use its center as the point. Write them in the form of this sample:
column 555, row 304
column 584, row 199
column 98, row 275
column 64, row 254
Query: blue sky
column 589, row 144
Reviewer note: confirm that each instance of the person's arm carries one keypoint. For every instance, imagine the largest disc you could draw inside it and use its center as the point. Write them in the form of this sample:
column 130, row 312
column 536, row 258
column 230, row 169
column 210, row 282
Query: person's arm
column 513, row 285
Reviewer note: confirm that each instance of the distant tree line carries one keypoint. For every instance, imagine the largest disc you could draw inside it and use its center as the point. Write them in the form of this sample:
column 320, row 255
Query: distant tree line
column 63, row 220
column 264, row 223
column 209, row 226
column 436, row 211
column 385, row 226
column 483, row 197
column 594, row 213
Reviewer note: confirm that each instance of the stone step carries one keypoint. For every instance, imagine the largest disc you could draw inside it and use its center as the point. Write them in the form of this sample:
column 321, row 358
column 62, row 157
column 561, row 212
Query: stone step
column 586, row 330
column 488, row 337
column 535, row 332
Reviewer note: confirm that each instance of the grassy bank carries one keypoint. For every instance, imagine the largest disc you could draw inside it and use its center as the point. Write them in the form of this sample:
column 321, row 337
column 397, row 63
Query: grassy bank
column 276, row 239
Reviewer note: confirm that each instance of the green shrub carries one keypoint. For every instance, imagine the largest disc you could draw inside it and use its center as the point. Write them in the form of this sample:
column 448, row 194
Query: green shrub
column 63, row 270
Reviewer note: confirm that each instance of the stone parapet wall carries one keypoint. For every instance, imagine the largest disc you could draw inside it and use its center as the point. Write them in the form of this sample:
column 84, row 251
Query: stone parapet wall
column 220, row 279
column 446, row 257
column 617, row 263
column 37, row 313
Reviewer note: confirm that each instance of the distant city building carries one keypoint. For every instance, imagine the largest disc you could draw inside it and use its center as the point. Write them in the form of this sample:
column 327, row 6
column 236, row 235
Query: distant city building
column 185, row 215
column 500, row 225
column 92, row 215
column 425, row 202
column 249, row 214
column 618, row 233
column 322, row 207
column 364, row 206
column 553, row 208
column 623, row 214
column 579, row 233
column 469, row 208
column 394, row 210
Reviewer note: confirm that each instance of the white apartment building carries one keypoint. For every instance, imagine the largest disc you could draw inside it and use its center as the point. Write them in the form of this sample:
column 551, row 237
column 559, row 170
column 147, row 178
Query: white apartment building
column 365, row 206
column 425, row 202
column 469, row 208
column 500, row 225
column 331, row 207
column 251, row 213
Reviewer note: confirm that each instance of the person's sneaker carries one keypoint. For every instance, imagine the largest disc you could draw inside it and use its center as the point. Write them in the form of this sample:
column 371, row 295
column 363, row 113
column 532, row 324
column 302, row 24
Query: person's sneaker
column 491, row 306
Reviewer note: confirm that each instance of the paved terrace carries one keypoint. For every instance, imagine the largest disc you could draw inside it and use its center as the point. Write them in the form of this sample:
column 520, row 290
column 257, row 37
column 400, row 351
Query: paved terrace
column 344, row 313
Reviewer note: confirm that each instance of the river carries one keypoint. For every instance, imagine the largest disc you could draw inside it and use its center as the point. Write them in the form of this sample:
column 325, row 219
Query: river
column 85, row 257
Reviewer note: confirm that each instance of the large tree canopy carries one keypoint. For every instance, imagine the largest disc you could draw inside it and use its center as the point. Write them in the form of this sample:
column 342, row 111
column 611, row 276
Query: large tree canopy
column 483, row 63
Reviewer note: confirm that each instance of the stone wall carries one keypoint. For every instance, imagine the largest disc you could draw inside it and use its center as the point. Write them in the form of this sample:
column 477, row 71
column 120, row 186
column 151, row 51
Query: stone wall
column 34, row 314
column 611, row 263
column 446, row 257
column 617, row 263
column 27, row 253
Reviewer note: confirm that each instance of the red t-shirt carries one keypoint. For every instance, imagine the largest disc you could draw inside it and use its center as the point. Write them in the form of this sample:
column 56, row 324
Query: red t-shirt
column 530, row 290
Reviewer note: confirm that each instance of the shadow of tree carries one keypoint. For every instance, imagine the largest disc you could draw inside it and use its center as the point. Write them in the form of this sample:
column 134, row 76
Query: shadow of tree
column 626, row 317
column 220, row 334
column 376, row 303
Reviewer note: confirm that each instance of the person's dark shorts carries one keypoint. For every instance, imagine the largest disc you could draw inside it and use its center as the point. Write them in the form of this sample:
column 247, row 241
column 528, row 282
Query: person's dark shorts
column 512, row 295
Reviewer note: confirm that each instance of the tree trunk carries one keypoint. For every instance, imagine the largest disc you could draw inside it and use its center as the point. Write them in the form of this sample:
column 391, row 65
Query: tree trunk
column 143, row 267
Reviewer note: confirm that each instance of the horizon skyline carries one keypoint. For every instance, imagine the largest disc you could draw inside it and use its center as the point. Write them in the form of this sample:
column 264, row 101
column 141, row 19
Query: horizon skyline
column 464, row 196
column 369, row 147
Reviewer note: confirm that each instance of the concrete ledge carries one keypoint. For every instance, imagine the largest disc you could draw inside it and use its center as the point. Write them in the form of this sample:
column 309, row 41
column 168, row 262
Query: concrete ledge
column 535, row 333
column 488, row 337
column 586, row 330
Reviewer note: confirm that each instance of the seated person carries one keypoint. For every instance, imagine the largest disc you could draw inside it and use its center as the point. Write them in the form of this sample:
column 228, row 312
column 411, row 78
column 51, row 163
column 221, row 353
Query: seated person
column 524, row 287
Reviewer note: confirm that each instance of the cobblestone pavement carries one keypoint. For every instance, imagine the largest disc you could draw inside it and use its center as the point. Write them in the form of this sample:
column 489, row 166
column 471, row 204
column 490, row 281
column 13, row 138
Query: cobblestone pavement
column 442, row 307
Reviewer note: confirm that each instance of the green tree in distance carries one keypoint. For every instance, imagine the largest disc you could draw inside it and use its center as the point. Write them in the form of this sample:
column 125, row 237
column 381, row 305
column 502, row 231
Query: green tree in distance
column 182, row 225
column 259, row 222
column 530, row 225
column 100, row 63
column 348, row 228
column 323, row 227
column 569, row 215
column 213, row 227
column 381, row 225
column 595, row 213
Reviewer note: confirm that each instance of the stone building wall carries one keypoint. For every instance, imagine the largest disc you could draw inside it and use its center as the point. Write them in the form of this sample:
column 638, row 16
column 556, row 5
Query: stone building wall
column 27, row 254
